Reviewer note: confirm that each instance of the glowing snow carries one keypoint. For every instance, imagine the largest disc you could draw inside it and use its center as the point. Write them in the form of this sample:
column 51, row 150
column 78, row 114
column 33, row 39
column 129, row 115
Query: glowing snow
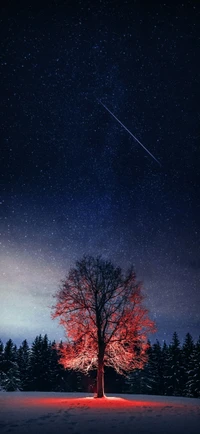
column 78, row 413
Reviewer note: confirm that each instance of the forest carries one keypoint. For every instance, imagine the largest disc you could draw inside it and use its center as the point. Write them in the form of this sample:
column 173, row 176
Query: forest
column 172, row 369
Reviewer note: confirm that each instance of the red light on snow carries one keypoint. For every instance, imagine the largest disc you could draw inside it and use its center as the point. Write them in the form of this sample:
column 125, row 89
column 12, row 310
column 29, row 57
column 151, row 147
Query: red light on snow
column 81, row 402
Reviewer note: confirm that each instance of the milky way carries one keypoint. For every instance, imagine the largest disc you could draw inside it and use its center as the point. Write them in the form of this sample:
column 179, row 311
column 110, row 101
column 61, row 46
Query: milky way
column 73, row 181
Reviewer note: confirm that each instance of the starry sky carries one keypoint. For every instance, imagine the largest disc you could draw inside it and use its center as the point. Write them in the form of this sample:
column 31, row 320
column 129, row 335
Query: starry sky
column 73, row 180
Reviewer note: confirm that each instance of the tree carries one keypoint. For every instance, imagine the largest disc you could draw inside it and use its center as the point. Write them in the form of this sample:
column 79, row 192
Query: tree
column 1, row 354
column 147, row 373
column 54, row 377
column 165, row 367
column 133, row 382
column 35, row 363
column 1, row 364
column 159, row 371
column 187, row 356
column 10, row 353
column 40, row 359
column 151, row 375
column 175, row 374
column 23, row 358
column 10, row 377
column 193, row 383
column 58, row 376
column 104, row 319
column 10, row 381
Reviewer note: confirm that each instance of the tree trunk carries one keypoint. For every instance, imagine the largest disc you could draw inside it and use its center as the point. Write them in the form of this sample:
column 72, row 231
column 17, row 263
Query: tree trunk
column 100, row 376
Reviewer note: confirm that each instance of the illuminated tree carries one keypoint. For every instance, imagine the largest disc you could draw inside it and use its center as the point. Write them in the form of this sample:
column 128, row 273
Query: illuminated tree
column 104, row 319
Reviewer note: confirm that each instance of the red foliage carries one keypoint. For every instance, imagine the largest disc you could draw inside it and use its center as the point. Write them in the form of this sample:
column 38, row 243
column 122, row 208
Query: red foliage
column 101, row 309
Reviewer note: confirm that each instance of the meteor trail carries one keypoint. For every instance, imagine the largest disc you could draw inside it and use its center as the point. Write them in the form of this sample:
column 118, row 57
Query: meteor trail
column 130, row 133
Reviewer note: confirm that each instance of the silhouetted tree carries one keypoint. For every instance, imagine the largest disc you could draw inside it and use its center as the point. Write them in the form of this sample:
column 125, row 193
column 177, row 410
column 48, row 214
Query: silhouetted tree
column 23, row 359
column 10, row 376
column 193, row 382
column 187, row 360
column 165, row 367
column 40, row 364
column 133, row 381
column 1, row 353
column 60, row 379
column 161, row 357
column 54, row 368
column 157, row 369
column 1, row 364
column 175, row 373
column 147, row 374
column 106, row 324
column 10, row 353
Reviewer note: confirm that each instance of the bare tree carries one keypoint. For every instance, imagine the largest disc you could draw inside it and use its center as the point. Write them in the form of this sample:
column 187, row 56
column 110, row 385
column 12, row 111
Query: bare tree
column 104, row 319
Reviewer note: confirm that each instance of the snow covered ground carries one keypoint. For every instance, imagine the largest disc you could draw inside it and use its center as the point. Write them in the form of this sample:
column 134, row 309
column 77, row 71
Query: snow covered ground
column 79, row 413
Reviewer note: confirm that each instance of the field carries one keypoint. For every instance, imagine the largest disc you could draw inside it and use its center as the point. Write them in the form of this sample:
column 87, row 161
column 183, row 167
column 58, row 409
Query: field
column 49, row 413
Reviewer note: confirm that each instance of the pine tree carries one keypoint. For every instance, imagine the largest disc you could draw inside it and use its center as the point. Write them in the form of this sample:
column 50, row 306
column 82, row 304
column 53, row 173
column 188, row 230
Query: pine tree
column 193, row 382
column 11, row 380
column 1, row 364
column 1, row 348
column 57, row 373
column 66, row 379
column 35, row 363
column 147, row 374
column 40, row 364
column 45, row 365
column 133, row 382
column 1, row 354
column 150, row 379
column 175, row 375
column 23, row 358
column 158, row 369
column 10, row 376
column 166, row 368
column 187, row 357
column 10, row 354
column 53, row 368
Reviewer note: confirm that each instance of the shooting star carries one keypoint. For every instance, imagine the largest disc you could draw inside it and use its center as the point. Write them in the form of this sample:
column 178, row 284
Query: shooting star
column 132, row 135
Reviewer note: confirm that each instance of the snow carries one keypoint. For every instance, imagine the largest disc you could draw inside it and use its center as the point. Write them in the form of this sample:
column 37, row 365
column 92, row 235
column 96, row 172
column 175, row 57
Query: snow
column 80, row 413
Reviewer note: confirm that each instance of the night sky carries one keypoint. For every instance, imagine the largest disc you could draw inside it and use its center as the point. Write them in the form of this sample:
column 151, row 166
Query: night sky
column 73, row 180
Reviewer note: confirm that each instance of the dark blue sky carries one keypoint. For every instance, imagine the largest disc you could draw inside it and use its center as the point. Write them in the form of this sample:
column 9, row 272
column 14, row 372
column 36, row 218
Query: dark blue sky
column 74, row 181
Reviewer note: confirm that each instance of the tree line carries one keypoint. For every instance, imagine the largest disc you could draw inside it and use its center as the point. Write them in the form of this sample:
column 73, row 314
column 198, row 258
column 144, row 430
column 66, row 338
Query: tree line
column 172, row 370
